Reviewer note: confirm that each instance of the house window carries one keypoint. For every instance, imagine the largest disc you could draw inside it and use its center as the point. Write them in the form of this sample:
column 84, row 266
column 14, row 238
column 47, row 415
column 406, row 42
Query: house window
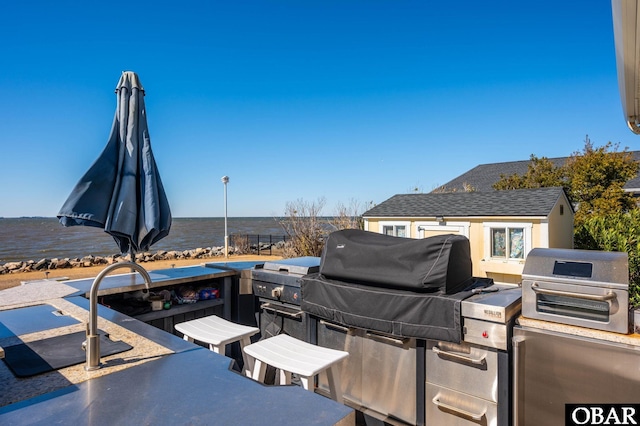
column 508, row 241
column 395, row 230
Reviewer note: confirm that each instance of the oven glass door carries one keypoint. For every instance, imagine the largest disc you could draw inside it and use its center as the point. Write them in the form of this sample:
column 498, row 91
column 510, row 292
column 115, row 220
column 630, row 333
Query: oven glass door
column 595, row 310
column 575, row 304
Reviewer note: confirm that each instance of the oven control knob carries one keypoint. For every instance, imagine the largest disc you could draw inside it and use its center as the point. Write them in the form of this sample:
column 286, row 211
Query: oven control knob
column 276, row 292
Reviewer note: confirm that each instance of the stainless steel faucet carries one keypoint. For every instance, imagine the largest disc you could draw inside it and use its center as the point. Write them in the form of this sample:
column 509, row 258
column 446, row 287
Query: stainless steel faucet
column 92, row 344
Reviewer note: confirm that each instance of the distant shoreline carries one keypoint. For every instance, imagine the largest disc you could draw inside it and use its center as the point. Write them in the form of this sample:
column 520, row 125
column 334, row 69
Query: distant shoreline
column 37, row 238
column 48, row 264
column 15, row 279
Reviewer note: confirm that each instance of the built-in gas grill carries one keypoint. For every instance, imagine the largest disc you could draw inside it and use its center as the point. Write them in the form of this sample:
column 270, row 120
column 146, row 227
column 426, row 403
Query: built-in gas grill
column 428, row 343
column 277, row 286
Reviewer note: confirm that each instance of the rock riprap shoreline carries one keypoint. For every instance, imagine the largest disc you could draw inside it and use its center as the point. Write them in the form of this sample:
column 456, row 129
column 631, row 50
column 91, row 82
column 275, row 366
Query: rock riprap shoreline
column 90, row 260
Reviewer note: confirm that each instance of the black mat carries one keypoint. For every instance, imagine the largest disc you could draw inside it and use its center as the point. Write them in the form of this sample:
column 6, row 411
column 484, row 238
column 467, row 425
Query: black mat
column 29, row 359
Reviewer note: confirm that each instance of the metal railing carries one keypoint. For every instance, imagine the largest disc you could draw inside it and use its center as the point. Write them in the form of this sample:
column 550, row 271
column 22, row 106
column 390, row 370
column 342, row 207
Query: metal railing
column 256, row 243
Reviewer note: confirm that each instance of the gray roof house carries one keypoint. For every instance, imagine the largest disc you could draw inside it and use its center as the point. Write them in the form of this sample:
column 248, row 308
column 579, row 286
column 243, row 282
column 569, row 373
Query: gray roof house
column 502, row 226
column 482, row 177
column 521, row 202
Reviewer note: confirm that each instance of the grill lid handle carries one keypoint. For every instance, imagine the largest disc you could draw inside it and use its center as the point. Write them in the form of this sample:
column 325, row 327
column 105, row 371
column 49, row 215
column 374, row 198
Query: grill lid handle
column 603, row 298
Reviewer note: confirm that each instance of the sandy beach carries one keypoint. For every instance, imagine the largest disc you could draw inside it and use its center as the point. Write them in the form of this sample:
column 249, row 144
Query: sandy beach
column 12, row 280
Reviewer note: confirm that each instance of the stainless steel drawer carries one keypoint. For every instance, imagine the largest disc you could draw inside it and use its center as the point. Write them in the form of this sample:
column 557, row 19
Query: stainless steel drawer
column 448, row 407
column 463, row 367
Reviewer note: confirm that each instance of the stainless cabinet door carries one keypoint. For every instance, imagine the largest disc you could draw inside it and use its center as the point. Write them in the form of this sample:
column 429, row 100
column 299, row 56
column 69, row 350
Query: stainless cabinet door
column 553, row 369
column 347, row 339
column 389, row 369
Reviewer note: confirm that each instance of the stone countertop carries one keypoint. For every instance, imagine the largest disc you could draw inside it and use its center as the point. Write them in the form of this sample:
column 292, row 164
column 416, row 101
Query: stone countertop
column 628, row 339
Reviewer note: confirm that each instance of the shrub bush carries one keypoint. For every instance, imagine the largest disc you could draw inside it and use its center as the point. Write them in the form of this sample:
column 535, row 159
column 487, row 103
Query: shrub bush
column 615, row 232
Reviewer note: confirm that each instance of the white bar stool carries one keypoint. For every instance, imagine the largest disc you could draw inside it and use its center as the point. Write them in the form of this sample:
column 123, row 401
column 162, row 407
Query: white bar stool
column 218, row 333
column 290, row 355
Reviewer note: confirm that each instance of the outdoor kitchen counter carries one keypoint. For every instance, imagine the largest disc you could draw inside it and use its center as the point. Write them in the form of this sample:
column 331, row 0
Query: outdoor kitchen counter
column 162, row 379
column 42, row 290
column 147, row 344
column 114, row 284
column 628, row 339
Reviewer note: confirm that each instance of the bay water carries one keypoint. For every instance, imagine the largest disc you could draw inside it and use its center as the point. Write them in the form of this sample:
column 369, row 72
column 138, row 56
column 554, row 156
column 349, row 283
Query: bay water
column 35, row 238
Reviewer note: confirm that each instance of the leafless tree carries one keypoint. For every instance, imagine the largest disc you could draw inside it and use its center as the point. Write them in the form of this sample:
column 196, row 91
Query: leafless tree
column 305, row 228
column 350, row 216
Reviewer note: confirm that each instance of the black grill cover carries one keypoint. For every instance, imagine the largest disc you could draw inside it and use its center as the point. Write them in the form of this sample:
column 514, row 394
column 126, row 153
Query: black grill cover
column 401, row 313
column 439, row 263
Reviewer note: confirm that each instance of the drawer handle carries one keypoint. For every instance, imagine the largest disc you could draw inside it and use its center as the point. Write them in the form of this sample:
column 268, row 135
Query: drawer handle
column 474, row 416
column 609, row 296
column 293, row 314
column 381, row 338
column 334, row 326
column 459, row 357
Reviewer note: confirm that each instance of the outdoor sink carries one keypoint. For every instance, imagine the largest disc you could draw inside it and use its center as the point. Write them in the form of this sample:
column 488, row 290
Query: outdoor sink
column 59, row 348
column 53, row 353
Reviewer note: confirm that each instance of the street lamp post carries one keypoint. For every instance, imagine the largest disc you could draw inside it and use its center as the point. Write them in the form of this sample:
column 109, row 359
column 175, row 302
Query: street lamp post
column 225, row 180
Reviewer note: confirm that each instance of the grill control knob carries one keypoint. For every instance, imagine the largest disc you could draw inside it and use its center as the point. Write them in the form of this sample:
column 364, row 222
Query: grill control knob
column 276, row 292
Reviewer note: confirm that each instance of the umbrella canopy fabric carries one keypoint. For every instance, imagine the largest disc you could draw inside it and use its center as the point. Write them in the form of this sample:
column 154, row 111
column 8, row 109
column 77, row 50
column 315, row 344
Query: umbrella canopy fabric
column 122, row 191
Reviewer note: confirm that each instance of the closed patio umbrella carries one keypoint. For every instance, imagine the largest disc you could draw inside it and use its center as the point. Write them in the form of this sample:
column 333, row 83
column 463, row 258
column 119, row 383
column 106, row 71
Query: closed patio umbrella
column 122, row 191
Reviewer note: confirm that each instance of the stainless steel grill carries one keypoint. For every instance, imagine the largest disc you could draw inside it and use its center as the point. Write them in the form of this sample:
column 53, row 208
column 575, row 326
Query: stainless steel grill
column 277, row 286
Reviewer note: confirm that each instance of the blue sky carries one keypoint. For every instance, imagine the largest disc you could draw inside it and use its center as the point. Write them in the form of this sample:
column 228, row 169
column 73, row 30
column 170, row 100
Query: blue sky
column 298, row 100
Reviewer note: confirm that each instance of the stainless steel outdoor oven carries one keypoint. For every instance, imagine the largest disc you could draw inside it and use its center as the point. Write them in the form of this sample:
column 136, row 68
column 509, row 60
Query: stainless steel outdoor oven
column 583, row 288
column 571, row 345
